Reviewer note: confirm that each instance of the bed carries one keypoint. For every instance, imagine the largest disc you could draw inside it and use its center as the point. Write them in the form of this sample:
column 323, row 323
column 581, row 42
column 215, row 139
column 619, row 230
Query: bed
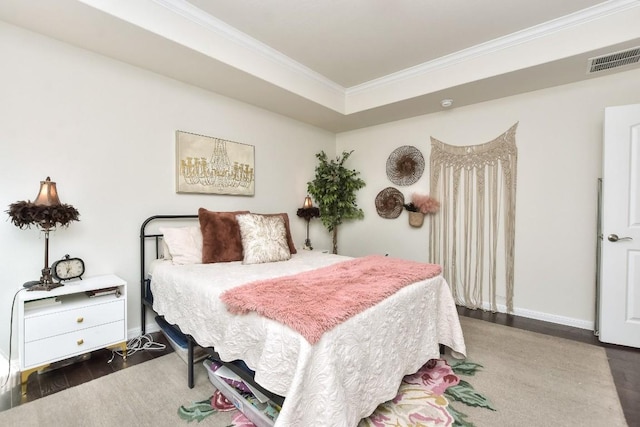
column 338, row 380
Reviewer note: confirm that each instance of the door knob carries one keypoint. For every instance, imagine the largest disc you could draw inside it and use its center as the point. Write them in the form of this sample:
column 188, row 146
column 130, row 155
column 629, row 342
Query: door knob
column 615, row 238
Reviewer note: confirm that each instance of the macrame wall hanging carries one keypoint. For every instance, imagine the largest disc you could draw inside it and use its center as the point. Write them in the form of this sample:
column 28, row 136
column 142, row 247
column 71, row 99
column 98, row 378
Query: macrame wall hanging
column 473, row 236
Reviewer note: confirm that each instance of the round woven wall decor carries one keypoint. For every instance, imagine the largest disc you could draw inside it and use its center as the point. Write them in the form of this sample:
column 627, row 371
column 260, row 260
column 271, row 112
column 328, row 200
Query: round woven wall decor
column 405, row 165
column 389, row 203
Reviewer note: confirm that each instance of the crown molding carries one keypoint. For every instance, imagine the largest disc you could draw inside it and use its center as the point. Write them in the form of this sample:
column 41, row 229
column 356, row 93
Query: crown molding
column 323, row 91
column 502, row 43
column 222, row 29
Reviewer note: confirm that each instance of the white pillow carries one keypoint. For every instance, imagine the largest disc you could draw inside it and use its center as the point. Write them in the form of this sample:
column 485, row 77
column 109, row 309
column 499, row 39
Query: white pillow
column 164, row 250
column 185, row 244
column 264, row 238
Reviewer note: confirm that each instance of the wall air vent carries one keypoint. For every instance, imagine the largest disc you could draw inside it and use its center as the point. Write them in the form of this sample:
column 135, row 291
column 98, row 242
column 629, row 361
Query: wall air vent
column 613, row 60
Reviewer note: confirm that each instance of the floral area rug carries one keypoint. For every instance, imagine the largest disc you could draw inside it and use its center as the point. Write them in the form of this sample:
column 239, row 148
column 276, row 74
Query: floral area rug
column 431, row 397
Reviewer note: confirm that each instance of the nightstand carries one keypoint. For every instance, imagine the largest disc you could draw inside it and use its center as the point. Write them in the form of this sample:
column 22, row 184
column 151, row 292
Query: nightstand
column 67, row 322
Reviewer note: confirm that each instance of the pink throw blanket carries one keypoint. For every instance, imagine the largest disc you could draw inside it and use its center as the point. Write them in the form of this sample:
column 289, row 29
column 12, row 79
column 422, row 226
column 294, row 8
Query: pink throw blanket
column 315, row 301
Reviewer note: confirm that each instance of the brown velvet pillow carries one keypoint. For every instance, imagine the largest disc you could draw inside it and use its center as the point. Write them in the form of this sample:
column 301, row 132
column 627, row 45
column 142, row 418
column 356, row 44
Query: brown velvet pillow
column 285, row 218
column 221, row 240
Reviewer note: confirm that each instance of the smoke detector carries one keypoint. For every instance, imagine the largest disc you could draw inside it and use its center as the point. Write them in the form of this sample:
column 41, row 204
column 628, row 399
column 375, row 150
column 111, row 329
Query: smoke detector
column 613, row 60
column 446, row 103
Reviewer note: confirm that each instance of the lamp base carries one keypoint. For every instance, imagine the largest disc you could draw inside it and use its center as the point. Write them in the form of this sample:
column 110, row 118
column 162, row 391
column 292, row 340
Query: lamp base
column 31, row 283
column 307, row 245
column 45, row 283
column 36, row 285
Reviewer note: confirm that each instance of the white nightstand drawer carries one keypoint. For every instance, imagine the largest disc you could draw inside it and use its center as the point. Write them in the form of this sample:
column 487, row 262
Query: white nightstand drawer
column 59, row 347
column 60, row 322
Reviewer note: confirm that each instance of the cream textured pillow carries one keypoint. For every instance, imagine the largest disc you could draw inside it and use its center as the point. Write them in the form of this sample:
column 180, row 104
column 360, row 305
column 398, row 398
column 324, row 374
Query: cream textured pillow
column 184, row 243
column 264, row 238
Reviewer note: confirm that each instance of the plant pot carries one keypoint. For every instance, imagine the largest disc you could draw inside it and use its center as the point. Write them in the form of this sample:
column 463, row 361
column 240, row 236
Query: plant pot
column 416, row 219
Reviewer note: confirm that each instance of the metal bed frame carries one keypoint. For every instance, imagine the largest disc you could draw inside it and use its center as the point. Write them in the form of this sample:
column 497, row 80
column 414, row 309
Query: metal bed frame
column 146, row 301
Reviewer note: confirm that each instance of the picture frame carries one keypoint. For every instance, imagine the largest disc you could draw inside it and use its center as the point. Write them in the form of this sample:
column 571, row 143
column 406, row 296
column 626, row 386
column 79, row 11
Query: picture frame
column 210, row 165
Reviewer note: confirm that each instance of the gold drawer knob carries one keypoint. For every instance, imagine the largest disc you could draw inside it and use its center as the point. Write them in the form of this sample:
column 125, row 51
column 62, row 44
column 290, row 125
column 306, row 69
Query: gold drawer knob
column 80, row 319
column 80, row 341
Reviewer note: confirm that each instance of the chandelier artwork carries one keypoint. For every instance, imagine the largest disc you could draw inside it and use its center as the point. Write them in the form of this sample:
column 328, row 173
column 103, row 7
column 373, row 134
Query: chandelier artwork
column 214, row 166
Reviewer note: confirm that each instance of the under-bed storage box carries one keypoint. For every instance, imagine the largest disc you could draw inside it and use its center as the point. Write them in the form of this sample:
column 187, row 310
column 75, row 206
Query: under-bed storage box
column 256, row 415
column 179, row 341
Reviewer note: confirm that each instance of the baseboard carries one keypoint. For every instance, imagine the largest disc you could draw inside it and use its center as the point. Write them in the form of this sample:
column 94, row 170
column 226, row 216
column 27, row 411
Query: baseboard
column 546, row 317
column 150, row 327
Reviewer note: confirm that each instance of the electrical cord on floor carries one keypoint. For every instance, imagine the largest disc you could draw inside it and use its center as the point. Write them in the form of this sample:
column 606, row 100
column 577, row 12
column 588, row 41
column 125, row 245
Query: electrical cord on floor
column 139, row 343
column 13, row 304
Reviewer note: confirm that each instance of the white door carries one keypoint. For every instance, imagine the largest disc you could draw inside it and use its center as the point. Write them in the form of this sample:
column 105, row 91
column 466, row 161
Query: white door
column 620, row 266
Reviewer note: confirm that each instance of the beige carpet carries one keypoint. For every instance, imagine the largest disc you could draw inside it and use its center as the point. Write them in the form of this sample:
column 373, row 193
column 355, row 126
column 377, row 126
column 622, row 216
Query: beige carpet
column 539, row 380
column 531, row 379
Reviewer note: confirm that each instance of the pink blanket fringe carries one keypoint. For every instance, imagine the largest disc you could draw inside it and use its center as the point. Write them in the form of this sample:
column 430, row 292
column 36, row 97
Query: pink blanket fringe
column 314, row 302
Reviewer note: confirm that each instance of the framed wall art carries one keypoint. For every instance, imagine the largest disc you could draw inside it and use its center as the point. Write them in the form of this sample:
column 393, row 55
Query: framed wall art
column 213, row 165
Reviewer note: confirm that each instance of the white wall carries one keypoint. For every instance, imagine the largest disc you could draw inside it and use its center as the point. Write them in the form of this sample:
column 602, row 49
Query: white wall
column 559, row 140
column 104, row 131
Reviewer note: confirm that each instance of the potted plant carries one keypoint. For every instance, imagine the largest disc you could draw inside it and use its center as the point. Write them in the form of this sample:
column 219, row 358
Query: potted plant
column 334, row 189
column 420, row 205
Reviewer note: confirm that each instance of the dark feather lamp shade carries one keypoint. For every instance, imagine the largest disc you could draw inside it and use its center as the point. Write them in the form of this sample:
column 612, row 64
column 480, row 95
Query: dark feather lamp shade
column 46, row 212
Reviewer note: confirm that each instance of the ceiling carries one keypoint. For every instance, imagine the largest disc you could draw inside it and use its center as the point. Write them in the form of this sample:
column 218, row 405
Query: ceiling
column 343, row 65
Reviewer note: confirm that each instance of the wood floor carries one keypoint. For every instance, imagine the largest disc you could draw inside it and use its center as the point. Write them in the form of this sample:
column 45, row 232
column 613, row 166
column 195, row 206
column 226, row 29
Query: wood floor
column 624, row 362
column 41, row 384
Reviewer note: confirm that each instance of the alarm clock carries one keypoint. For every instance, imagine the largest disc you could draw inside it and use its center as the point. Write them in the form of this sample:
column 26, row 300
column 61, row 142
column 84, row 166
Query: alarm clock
column 67, row 268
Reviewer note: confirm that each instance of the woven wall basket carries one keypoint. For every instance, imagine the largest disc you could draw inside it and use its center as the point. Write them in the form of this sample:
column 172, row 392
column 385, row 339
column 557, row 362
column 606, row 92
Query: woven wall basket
column 389, row 203
column 416, row 219
column 405, row 165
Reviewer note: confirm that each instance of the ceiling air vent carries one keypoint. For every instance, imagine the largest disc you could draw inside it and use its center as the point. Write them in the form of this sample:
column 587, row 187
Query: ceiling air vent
column 614, row 60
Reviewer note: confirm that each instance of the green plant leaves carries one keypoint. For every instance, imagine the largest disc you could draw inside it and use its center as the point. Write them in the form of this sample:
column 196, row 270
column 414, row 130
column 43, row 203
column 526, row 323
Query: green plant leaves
column 334, row 190
column 466, row 368
column 459, row 419
column 465, row 393
column 196, row 412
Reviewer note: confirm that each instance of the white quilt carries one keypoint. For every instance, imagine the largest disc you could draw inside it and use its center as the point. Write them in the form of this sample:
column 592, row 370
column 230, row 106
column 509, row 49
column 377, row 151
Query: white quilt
column 344, row 376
